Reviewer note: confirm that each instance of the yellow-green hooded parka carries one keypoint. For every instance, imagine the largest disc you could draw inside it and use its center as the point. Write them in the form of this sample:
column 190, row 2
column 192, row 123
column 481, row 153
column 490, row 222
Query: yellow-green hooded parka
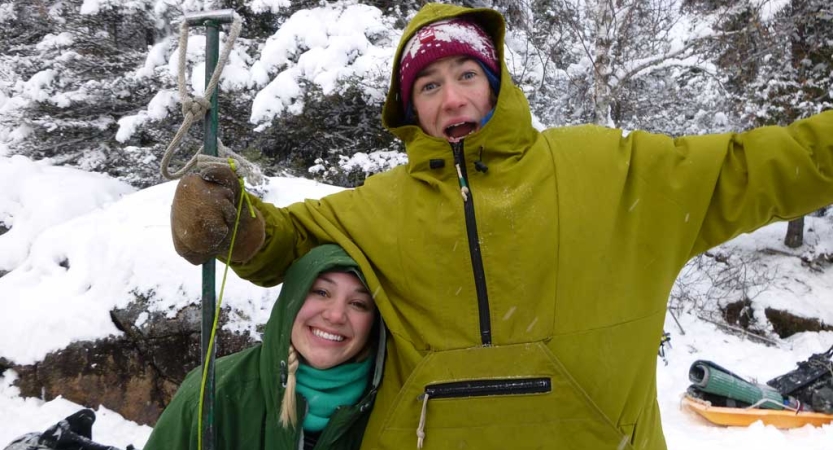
column 529, row 314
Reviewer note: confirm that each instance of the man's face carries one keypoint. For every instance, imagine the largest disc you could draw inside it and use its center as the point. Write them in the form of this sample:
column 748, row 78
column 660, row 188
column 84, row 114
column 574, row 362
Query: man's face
column 450, row 97
column 334, row 322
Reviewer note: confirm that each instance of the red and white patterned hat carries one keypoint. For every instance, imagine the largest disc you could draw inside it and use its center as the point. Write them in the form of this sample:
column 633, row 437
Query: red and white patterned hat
column 452, row 37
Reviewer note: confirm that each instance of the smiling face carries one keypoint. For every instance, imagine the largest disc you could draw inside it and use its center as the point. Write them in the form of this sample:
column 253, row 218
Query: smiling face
column 450, row 97
column 334, row 323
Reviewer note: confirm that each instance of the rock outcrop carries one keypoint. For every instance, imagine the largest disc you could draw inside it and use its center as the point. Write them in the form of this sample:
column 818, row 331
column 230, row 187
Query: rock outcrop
column 134, row 374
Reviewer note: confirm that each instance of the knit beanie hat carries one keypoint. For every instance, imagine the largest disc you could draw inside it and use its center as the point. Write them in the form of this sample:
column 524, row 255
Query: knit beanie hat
column 437, row 40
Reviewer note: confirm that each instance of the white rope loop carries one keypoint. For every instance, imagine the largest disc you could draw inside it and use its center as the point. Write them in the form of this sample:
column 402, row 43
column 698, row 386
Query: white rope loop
column 195, row 107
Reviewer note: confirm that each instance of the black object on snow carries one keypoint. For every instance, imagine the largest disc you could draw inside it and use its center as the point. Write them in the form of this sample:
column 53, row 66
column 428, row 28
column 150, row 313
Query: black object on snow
column 811, row 383
column 73, row 433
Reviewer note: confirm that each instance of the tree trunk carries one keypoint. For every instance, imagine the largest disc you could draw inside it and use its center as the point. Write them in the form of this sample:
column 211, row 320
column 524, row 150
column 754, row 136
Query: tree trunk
column 602, row 60
column 795, row 233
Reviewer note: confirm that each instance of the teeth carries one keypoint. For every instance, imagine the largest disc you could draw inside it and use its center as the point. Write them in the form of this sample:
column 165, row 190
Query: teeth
column 327, row 336
column 452, row 126
column 454, row 135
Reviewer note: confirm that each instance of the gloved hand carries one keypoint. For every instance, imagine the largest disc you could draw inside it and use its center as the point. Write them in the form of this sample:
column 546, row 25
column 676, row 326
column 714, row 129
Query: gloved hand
column 203, row 214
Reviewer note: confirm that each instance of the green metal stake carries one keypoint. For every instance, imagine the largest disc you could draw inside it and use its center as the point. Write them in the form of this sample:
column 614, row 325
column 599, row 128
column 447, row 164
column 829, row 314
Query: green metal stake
column 212, row 21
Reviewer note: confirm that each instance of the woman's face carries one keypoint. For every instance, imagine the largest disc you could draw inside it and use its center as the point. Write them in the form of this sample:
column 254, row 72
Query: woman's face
column 334, row 323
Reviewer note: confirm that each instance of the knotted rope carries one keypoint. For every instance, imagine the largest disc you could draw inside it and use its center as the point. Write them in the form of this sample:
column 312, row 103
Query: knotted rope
column 194, row 108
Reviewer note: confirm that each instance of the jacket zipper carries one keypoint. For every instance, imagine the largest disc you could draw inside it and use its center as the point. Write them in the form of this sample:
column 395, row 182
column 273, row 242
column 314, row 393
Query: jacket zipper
column 474, row 245
column 478, row 388
column 481, row 388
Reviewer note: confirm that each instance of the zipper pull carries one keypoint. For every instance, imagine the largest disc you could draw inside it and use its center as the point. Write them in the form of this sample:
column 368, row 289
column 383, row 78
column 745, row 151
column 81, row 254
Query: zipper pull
column 420, row 432
column 464, row 189
column 457, row 150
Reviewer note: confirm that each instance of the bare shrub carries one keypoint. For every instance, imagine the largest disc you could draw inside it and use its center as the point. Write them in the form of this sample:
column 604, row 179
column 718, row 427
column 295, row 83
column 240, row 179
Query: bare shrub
column 712, row 281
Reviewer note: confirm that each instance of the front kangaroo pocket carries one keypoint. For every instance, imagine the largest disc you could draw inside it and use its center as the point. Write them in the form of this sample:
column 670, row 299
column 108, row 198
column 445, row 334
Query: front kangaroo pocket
column 514, row 396
column 478, row 388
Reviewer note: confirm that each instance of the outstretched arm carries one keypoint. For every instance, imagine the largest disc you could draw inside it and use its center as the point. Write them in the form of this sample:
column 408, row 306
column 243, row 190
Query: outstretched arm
column 766, row 175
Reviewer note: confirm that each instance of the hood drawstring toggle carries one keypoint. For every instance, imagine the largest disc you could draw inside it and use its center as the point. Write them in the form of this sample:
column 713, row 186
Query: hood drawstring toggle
column 479, row 165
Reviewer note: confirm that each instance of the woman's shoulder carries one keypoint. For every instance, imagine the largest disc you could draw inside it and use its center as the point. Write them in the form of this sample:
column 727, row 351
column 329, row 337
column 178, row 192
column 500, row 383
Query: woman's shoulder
column 231, row 371
column 238, row 368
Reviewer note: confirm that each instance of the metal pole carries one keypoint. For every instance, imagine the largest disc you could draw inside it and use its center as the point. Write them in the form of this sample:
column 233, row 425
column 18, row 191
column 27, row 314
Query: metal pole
column 212, row 21
column 209, row 298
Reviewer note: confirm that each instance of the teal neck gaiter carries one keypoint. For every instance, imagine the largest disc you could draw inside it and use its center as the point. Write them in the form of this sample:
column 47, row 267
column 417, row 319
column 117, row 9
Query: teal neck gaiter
column 325, row 390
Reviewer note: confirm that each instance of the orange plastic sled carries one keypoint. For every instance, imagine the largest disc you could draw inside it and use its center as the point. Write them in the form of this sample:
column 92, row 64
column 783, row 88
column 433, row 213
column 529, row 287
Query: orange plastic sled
column 742, row 417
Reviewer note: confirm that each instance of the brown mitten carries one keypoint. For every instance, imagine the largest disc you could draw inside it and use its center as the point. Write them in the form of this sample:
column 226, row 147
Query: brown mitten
column 203, row 214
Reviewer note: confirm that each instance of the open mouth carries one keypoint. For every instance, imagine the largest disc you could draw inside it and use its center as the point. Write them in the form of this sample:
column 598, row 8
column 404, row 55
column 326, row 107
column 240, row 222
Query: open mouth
column 459, row 130
column 328, row 336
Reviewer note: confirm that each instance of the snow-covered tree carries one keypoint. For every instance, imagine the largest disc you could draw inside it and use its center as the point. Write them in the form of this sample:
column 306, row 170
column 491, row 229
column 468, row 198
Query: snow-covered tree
column 629, row 63
column 92, row 83
column 796, row 66
column 305, row 84
column 66, row 67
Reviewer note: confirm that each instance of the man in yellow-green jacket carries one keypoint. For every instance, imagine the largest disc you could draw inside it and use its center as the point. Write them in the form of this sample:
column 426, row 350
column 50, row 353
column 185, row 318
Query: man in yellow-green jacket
column 523, row 275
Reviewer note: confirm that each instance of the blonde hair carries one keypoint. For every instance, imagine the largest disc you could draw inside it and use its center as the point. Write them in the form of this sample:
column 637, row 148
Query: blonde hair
column 289, row 415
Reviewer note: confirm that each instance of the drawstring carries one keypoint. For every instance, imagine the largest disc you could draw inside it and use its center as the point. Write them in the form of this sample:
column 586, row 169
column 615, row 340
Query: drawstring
column 421, row 428
column 479, row 165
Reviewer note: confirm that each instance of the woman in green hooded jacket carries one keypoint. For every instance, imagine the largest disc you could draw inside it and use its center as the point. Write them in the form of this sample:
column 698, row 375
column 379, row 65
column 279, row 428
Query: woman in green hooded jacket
column 312, row 381
column 523, row 274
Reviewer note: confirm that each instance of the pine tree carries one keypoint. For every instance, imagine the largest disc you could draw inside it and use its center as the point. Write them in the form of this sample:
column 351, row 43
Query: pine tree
column 73, row 65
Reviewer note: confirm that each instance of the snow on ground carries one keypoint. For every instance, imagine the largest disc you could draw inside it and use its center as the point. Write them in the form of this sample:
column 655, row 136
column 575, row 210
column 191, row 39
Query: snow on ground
column 22, row 415
column 685, row 430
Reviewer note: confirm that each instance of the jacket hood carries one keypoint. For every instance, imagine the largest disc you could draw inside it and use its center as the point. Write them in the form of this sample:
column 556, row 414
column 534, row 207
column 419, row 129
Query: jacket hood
column 511, row 110
column 277, row 336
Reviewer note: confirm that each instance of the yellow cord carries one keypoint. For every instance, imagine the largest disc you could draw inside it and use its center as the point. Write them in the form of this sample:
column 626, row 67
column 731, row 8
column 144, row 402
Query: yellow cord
column 245, row 195
column 220, row 302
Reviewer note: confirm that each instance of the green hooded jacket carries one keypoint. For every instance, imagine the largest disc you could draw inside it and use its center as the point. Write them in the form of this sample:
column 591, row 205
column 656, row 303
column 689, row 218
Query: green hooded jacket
column 530, row 314
column 249, row 385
